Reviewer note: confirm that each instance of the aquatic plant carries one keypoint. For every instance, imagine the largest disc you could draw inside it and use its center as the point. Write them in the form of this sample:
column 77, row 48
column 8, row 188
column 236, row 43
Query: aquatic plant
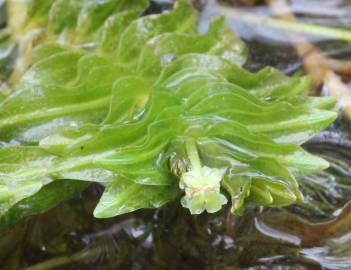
column 150, row 109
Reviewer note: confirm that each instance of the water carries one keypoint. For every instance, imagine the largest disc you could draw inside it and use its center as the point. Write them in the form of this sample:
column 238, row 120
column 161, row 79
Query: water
column 312, row 235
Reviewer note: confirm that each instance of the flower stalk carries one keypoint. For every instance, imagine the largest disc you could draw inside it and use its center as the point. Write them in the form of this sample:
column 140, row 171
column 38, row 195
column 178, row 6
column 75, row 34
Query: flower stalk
column 201, row 184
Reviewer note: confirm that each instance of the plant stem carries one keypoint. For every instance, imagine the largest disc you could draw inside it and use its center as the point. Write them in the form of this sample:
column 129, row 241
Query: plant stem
column 195, row 162
column 294, row 26
column 64, row 260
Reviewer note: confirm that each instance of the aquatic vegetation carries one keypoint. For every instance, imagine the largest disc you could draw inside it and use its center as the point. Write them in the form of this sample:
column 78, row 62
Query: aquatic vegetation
column 150, row 109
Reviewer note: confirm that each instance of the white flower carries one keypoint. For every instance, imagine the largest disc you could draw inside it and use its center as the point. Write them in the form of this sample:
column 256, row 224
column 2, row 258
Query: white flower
column 202, row 190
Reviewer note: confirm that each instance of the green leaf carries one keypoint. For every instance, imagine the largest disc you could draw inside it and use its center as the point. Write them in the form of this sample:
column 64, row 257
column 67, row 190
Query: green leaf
column 161, row 50
column 113, row 30
column 271, row 193
column 79, row 22
column 239, row 189
column 63, row 16
column 46, row 198
column 23, row 173
column 7, row 54
column 183, row 19
column 123, row 196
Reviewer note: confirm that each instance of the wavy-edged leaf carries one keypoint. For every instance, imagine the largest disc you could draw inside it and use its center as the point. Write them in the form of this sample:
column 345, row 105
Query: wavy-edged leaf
column 161, row 50
column 23, row 173
column 118, row 101
column 183, row 19
column 123, row 196
column 46, row 198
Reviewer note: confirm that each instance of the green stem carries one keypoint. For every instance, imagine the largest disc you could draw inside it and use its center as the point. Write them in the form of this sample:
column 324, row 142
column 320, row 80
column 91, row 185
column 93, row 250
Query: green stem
column 193, row 155
column 294, row 26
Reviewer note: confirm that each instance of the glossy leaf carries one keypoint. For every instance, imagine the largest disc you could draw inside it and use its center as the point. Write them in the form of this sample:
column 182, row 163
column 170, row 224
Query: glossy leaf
column 46, row 198
column 123, row 196
column 148, row 108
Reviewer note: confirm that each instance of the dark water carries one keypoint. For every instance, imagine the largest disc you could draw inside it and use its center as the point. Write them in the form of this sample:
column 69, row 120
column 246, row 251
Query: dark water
column 312, row 235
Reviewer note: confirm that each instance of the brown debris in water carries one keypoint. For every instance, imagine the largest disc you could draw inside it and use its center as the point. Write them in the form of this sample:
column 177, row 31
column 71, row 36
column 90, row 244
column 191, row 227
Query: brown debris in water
column 242, row 2
column 310, row 234
column 318, row 66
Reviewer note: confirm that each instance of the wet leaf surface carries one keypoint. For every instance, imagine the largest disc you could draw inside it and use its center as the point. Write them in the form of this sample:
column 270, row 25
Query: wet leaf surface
column 308, row 236
column 312, row 235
